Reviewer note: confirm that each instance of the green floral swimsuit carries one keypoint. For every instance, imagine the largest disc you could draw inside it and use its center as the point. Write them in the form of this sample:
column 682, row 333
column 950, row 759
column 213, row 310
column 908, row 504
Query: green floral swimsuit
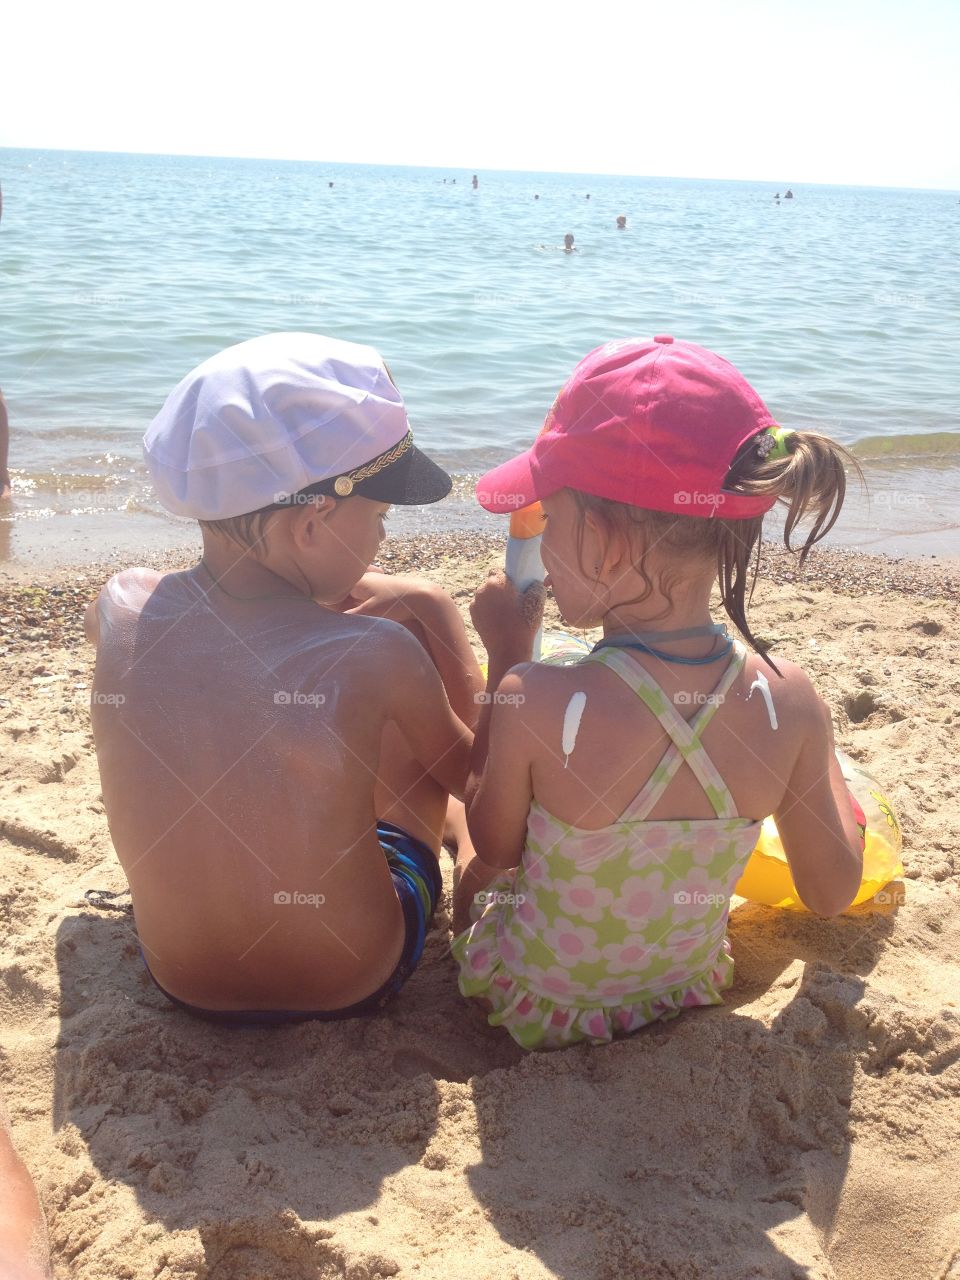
column 597, row 933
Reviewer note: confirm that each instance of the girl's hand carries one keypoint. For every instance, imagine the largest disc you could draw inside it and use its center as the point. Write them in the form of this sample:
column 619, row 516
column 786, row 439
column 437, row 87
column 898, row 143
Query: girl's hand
column 504, row 618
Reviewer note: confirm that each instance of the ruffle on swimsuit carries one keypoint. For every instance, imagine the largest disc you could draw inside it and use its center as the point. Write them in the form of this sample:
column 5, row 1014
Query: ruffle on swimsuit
column 600, row 932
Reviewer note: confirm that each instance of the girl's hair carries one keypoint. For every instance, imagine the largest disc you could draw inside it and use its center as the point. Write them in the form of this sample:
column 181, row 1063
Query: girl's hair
column 810, row 480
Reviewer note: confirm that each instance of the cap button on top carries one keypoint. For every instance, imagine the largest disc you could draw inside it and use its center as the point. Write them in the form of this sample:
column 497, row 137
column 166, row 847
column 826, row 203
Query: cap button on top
column 663, row 337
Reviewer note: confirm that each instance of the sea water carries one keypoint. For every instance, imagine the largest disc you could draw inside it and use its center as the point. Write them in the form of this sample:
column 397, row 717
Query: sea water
column 122, row 272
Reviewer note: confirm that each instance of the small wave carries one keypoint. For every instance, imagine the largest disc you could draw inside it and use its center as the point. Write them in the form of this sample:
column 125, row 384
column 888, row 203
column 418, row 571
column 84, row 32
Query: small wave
column 66, row 482
column 922, row 444
column 99, row 435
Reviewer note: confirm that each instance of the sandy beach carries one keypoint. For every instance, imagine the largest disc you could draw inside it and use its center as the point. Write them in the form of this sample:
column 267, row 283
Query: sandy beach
column 809, row 1128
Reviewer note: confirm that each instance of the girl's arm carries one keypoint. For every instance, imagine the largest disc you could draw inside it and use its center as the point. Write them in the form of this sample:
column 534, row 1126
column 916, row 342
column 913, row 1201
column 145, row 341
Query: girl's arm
column 499, row 790
column 816, row 821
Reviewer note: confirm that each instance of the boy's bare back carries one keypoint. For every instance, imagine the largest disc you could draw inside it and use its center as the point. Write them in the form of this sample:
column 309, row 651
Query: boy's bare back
column 239, row 742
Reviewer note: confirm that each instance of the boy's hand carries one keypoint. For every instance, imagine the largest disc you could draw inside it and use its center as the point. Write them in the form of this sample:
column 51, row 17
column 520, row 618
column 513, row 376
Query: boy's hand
column 504, row 618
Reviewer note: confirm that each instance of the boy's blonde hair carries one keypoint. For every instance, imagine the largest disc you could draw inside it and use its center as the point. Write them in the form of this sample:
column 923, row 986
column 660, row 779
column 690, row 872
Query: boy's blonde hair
column 247, row 531
column 811, row 479
column 250, row 530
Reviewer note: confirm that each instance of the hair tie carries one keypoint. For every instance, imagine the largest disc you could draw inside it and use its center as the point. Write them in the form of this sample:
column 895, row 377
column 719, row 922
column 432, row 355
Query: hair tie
column 772, row 443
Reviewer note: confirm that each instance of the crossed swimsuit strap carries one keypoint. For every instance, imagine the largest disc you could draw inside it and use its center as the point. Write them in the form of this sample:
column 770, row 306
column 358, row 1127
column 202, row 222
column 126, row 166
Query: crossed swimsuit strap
column 685, row 735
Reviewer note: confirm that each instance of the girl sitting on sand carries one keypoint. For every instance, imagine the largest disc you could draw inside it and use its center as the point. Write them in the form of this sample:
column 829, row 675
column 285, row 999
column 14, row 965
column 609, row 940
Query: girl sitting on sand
column 623, row 795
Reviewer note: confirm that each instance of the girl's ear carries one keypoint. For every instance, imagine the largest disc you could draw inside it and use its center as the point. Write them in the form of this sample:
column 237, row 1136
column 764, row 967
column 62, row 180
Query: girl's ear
column 602, row 545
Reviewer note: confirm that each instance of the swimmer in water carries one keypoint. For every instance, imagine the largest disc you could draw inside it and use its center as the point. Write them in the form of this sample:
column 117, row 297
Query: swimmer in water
column 621, row 223
column 568, row 246
column 648, row 766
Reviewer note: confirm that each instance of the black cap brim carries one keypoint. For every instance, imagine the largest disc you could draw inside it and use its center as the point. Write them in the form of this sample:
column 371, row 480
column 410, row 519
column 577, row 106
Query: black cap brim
column 414, row 480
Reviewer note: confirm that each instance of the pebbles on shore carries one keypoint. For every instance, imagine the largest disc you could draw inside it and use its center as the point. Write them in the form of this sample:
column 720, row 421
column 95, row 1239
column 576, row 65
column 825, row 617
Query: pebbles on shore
column 47, row 608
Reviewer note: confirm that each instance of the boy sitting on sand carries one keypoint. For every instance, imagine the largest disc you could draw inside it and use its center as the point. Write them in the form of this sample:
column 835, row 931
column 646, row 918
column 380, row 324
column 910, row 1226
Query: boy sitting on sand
column 272, row 722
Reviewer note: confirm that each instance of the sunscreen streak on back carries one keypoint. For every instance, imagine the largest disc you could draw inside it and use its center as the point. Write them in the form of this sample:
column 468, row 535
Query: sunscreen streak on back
column 763, row 685
column 571, row 724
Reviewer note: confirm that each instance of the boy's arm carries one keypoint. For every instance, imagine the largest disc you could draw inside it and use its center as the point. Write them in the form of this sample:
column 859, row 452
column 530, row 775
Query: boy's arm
column 445, row 636
column 816, row 822
column 429, row 613
column 418, row 704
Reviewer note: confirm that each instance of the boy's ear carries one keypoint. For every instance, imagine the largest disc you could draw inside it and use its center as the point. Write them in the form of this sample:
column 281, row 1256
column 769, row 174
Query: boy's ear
column 310, row 515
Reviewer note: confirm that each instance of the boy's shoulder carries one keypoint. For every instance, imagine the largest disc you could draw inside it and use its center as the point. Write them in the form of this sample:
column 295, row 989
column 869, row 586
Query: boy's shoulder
column 127, row 589
column 135, row 579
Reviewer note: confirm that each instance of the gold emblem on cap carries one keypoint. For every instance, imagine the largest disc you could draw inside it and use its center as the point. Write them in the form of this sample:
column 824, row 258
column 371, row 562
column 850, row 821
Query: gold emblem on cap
column 344, row 484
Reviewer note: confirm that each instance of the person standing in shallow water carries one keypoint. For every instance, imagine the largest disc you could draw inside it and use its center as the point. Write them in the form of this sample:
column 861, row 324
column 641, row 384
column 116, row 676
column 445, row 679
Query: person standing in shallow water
column 568, row 246
column 4, row 449
column 476, row 182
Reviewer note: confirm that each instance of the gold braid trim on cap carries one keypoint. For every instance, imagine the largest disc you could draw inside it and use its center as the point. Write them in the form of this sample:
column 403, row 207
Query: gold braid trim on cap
column 344, row 484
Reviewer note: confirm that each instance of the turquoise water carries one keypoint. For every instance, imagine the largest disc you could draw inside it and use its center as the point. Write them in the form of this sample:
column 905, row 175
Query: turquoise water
column 121, row 272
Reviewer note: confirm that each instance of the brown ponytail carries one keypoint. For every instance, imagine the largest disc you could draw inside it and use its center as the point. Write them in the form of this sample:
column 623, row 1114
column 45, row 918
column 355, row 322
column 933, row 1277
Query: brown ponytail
column 810, row 480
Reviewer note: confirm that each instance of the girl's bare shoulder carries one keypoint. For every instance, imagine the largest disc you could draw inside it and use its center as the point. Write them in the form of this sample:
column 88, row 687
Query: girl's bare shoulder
column 543, row 692
column 790, row 686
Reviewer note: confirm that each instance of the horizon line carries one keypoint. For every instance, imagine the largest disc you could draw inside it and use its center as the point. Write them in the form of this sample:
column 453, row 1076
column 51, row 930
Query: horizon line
column 380, row 164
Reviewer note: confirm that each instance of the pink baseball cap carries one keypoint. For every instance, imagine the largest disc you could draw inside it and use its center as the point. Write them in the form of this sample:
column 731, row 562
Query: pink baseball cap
column 653, row 422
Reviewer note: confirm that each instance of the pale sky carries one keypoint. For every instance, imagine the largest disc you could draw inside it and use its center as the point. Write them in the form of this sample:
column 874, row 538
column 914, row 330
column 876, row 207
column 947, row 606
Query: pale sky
column 860, row 92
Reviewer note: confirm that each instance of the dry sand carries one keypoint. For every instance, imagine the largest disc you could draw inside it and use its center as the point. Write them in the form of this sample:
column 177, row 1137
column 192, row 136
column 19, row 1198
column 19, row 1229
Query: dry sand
column 808, row 1128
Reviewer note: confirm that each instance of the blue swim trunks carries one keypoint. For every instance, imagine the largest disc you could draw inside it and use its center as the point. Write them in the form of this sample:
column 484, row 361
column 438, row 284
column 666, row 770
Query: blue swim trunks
column 416, row 876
